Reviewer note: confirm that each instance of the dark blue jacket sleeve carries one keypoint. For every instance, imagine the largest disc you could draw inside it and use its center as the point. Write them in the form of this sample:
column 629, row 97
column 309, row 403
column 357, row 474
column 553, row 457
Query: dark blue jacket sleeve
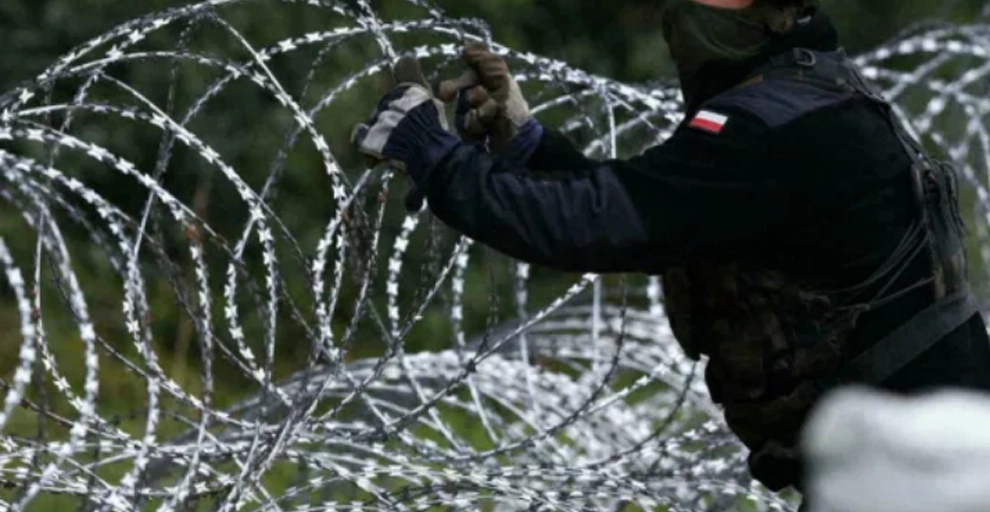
column 697, row 191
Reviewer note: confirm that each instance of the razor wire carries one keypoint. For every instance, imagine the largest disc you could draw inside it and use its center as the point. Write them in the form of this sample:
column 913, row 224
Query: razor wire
column 577, row 401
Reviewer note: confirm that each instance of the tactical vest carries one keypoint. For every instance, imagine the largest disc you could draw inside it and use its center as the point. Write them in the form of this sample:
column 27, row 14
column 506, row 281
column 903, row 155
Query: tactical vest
column 774, row 345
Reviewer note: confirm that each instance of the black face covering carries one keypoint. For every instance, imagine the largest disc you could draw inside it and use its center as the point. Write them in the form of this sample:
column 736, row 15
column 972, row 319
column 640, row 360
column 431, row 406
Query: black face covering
column 716, row 49
column 698, row 34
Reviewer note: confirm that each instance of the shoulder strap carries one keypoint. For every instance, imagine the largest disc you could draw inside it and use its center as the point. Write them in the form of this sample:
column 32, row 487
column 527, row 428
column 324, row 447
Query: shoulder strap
column 909, row 341
column 778, row 102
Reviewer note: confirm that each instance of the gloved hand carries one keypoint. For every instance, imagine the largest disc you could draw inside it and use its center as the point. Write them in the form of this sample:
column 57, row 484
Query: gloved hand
column 408, row 129
column 490, row 105
column 476, row 110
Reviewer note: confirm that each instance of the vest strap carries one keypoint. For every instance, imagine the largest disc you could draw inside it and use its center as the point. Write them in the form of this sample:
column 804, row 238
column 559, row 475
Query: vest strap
column 909, row 341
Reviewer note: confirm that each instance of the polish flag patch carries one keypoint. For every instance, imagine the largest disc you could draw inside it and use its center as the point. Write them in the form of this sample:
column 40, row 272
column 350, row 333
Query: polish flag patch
column 709, row 121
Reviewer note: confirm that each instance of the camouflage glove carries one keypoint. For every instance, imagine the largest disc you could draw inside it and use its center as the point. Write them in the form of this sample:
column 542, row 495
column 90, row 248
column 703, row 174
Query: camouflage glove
column 490, row 105
column 475, row 111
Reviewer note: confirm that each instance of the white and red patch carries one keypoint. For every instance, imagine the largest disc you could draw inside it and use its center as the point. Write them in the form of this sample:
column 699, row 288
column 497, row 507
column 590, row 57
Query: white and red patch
column 709, row 121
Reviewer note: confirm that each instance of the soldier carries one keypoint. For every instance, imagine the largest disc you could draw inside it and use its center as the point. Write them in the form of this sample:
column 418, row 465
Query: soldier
column 804, row 239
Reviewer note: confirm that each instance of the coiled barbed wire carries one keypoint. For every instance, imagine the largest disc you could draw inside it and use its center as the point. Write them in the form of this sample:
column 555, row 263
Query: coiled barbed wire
column 577, row 401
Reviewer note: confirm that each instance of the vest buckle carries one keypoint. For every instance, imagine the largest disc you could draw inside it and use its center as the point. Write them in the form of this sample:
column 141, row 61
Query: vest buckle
column 805, row 57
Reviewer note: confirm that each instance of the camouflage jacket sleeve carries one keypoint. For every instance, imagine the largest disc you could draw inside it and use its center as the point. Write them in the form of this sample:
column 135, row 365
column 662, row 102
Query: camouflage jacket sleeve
column 699, row 190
